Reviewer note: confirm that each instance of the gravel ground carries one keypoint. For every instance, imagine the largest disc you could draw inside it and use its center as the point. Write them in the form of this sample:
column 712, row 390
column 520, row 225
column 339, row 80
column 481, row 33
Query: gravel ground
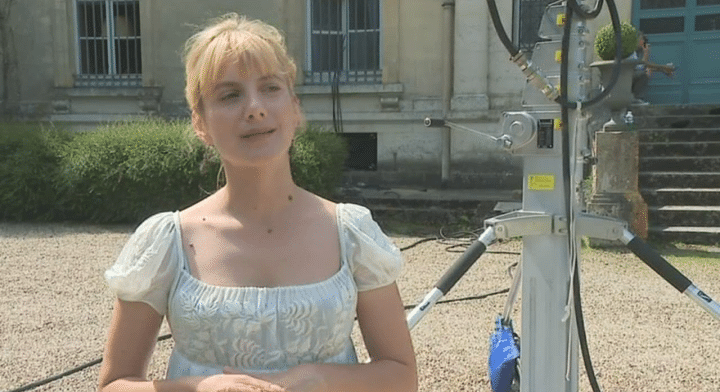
column 644, row 336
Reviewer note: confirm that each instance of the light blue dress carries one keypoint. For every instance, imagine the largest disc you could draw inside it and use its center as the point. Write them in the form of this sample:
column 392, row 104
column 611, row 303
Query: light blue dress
column 253, row 329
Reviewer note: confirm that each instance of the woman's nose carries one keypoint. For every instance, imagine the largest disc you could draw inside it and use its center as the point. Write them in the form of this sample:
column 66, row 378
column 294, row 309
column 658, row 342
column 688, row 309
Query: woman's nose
column 256, row 109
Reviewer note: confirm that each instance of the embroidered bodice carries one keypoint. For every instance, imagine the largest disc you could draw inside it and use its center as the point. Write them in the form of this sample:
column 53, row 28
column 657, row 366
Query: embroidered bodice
column 255, row 329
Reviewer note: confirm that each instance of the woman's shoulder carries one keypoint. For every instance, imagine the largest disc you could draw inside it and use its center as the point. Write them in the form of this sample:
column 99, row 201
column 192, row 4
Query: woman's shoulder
column 147, row 263
column 158, row 227
column 350, row 214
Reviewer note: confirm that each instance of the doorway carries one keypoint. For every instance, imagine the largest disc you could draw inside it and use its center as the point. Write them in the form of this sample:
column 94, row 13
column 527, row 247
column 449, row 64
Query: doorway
column 685, row 33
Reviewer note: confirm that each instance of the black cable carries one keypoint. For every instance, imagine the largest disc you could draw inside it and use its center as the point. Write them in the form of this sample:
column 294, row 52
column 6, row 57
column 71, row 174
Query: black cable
column 513, row 50
column 463, row 299
column 615, row 18
column 335, row 88
column 416, row 243
column 500, row 29
column 582, row 336
column 74, row 370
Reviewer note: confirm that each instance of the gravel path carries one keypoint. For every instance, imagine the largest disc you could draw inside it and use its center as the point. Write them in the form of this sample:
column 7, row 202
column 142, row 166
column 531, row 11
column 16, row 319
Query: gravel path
column 644, row 336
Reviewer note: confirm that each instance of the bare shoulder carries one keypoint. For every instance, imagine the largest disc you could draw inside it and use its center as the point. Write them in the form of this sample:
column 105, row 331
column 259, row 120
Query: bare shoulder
column 194, row 214
column 314, row 204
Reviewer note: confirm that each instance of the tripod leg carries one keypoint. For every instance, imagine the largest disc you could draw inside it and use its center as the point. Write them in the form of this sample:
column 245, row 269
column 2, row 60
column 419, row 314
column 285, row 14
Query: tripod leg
column 452, row 276
column 653, row 259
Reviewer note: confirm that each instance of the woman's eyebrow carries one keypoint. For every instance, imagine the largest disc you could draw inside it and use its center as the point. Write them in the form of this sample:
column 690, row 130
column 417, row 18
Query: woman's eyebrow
column 228, row 84
column 270, row 77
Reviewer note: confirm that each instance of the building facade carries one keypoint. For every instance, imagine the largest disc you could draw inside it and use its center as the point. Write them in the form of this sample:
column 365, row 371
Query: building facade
column 372, row 69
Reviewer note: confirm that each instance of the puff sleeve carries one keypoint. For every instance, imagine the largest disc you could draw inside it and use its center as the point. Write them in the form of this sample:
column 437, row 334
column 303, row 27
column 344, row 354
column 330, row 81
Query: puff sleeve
column 148, row 264
column 374, row 260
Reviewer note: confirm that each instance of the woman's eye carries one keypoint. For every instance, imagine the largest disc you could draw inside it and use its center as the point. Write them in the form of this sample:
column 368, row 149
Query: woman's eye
column 230, row 95
column 273, row 88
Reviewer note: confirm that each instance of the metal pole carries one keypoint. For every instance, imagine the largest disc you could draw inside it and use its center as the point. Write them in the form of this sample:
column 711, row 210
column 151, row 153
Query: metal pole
column 447, row 87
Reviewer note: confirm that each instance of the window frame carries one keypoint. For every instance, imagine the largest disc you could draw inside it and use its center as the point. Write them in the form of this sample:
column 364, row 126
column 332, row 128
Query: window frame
column 113, row 77
column 346, row 74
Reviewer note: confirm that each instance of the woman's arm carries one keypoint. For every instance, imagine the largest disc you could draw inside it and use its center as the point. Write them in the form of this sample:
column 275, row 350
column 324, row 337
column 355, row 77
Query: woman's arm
column 131, row 342
column 392, row 368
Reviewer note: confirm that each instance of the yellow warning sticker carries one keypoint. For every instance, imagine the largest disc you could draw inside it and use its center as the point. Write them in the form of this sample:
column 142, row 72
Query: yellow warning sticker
column 560, row 21
column 558, row 124
column 558, row 56
column 541, row 182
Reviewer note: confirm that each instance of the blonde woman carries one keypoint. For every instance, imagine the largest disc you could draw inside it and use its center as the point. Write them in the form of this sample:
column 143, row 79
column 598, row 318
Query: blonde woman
column 261, row 281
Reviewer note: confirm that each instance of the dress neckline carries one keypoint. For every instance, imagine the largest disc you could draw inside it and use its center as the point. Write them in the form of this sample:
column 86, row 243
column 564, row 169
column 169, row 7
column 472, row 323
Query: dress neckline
column 185, row 268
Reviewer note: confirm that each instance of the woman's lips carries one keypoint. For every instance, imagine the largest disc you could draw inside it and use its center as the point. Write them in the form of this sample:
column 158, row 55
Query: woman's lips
column 257, row 134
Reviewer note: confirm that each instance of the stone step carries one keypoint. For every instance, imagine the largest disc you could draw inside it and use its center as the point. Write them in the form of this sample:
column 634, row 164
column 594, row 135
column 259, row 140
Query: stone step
column 657, row 135
column 468, row 180
column 678, row 179
column 687, row 234
column 681, row 196
column 705, row 148
column 676, row 110
column 683, row 121
column 434, row 206
column 704, row 216
column 674, row 163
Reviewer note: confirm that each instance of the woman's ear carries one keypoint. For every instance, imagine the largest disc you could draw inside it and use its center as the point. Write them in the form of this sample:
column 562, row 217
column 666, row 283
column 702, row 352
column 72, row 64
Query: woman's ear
column 200, row 128
column 299, row 118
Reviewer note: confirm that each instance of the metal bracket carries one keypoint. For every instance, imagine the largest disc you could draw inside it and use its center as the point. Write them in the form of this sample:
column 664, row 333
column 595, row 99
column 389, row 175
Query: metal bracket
column 601, row 227
column 522, row 223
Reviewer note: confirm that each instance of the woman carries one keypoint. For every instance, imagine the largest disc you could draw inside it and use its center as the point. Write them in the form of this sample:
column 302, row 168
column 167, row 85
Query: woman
column 261, row 281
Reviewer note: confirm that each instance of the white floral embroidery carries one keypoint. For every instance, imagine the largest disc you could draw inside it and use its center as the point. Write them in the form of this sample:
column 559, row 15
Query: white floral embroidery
column 256, row 329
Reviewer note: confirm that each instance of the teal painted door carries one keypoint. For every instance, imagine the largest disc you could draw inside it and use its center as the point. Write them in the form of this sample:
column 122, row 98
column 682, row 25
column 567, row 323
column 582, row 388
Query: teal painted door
column 687, row 34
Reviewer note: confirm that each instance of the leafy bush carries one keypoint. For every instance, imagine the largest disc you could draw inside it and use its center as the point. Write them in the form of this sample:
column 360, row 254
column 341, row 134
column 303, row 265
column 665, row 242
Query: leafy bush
column 28, row 165
column 124, row 172
column 317, row 159
column 605, row 41
column 128, row 171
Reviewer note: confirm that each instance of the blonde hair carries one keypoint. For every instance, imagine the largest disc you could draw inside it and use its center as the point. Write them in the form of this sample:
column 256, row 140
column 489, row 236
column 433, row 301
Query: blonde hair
column 253, row 43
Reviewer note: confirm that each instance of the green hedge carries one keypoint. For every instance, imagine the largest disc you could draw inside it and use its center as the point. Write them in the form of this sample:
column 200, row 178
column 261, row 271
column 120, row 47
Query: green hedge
column 126, row 172
column 29, row 164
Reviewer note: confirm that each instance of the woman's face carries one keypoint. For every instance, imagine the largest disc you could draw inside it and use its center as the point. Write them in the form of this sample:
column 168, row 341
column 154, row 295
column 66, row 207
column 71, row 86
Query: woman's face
column 249, row 116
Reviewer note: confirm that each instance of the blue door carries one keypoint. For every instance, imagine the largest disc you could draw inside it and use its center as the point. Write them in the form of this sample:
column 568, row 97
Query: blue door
column 685, row 33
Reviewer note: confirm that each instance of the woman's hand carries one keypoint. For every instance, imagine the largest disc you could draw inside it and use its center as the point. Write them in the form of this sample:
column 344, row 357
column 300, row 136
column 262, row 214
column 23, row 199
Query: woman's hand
column 237, row 383
column 301, row 378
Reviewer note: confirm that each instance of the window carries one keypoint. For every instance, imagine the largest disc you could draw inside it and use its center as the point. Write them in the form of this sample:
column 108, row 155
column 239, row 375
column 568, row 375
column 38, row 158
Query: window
column 344, row 42
column 528, row 15
column 108, row 43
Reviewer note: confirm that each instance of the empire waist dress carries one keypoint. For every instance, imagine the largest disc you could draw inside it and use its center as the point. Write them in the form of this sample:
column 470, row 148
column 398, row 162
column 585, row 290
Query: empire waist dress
column 253, row 329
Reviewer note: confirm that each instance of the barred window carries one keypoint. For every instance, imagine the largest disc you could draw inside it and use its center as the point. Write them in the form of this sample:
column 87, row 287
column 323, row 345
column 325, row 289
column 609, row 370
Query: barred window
column 344, row 42
column 108, row 43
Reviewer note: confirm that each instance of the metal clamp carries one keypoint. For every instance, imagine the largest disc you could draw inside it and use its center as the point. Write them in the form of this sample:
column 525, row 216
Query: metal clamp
column 521, row 223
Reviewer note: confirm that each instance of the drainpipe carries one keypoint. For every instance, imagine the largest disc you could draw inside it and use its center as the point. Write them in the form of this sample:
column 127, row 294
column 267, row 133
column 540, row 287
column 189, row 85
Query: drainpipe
column 448, row 54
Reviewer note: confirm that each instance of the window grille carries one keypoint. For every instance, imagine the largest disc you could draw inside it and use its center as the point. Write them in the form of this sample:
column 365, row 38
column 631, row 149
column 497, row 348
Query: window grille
column 344, row 42
column 108, row 43
column 529, row 13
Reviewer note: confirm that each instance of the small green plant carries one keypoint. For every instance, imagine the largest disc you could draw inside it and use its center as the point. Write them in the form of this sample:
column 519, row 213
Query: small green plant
column 317, row 158
column 605, row 41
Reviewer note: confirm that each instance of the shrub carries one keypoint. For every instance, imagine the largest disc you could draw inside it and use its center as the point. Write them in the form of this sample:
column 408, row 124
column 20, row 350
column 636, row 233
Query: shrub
column 125, row 172
column 605, row 41
column 28, row 166
column 317, row 161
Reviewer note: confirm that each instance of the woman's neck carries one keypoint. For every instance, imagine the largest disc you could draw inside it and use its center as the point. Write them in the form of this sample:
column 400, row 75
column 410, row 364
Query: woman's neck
column 258, row 194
